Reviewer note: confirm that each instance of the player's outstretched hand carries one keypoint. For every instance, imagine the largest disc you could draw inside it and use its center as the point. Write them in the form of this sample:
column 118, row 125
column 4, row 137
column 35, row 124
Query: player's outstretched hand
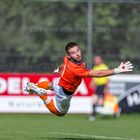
column 56, row 71
column 124, row 67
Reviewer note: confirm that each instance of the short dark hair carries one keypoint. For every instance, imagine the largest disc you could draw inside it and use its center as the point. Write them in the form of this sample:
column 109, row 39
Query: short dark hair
column 70, row 45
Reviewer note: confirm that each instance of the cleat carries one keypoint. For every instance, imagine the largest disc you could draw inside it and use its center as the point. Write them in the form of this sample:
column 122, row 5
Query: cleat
column 32, row 88
column 92, row 118
column 29, row 87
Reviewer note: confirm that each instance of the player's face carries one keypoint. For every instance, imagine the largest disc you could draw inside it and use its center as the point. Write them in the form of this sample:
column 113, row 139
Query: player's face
column 97, row 60
column 75, row 53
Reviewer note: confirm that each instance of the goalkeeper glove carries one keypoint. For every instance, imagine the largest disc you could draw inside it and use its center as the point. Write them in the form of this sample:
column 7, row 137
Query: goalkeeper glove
column 124, row 67
column 57, row 70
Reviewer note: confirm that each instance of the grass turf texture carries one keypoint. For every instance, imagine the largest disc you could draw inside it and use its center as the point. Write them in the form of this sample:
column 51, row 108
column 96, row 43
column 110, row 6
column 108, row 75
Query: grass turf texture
column 69, row 127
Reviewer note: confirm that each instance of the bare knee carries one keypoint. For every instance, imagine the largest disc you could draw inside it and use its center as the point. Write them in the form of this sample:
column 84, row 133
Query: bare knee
column 94, row 99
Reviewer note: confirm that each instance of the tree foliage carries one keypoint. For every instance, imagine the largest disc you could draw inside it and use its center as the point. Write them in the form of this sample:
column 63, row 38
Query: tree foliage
column 36, row 32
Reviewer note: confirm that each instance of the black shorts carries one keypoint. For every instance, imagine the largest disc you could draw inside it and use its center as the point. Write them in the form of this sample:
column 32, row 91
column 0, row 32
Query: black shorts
column 100, row 91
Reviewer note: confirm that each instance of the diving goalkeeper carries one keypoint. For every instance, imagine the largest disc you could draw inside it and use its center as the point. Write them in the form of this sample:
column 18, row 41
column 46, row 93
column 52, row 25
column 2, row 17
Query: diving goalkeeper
column 71, row 73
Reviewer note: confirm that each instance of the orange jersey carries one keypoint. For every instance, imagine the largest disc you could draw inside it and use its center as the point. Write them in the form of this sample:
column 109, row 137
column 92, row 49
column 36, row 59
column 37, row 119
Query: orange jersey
column 72, row 74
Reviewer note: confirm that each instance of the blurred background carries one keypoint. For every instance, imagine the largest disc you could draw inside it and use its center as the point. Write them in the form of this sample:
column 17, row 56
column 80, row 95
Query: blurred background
column 34, row 33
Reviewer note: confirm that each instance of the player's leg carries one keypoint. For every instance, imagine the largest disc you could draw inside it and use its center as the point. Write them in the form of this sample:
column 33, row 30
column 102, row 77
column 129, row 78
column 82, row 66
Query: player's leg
column 101, row 101
column 101, row 95
column 61, row 99
column 97, row 100
column 41, row 92
column 45, row 84
column 49, row 103
column 94, row 103
column 61, row 102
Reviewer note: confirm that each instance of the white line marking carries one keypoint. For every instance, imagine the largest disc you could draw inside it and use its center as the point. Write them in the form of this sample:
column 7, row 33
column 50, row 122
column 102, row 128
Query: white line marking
column 90, row 136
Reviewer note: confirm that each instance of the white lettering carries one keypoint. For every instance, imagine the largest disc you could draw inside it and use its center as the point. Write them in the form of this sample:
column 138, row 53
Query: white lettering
column 24, row 82
column 133, row 99
column 14, row 85
column 3, row 85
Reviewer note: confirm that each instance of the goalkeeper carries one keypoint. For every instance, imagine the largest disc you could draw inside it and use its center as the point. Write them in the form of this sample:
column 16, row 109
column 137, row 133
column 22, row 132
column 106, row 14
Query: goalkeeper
column 71, row 73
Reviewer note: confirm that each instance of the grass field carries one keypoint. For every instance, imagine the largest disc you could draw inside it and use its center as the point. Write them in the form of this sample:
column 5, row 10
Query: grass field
column 69, row 127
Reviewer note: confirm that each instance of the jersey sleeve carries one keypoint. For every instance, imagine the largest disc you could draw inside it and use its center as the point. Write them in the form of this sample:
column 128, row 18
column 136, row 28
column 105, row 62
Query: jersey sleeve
column 65, row 60
column 81, row 72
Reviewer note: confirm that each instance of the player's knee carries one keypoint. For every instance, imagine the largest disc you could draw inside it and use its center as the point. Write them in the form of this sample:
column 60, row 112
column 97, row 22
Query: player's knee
column 95, row 100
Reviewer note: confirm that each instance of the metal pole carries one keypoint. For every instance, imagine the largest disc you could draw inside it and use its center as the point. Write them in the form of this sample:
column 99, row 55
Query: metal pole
column 89, row 34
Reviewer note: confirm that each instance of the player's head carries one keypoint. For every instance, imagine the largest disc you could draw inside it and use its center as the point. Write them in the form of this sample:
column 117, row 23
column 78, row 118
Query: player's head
column 98, row 60
column 73, row 51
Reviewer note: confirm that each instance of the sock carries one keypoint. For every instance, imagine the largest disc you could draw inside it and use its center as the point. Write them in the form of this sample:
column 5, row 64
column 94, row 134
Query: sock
column 49, row 103
column 43, row 84
column 52, row 108
column 43, row 97
column 94, row 110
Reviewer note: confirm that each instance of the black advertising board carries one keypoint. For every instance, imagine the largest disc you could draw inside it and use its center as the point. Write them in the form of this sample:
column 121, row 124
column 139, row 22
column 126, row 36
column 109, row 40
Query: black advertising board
column 127, row 89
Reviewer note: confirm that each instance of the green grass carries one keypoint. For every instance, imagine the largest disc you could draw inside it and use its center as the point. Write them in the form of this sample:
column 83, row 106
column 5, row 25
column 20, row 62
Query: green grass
column 71, row 127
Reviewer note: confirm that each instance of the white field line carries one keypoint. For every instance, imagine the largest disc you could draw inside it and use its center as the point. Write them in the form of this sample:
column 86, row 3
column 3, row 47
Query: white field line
column 90, row 136
column 80, row 135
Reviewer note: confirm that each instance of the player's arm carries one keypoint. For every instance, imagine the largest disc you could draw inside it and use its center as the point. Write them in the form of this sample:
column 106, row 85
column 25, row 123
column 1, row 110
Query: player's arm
column 124, row 67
